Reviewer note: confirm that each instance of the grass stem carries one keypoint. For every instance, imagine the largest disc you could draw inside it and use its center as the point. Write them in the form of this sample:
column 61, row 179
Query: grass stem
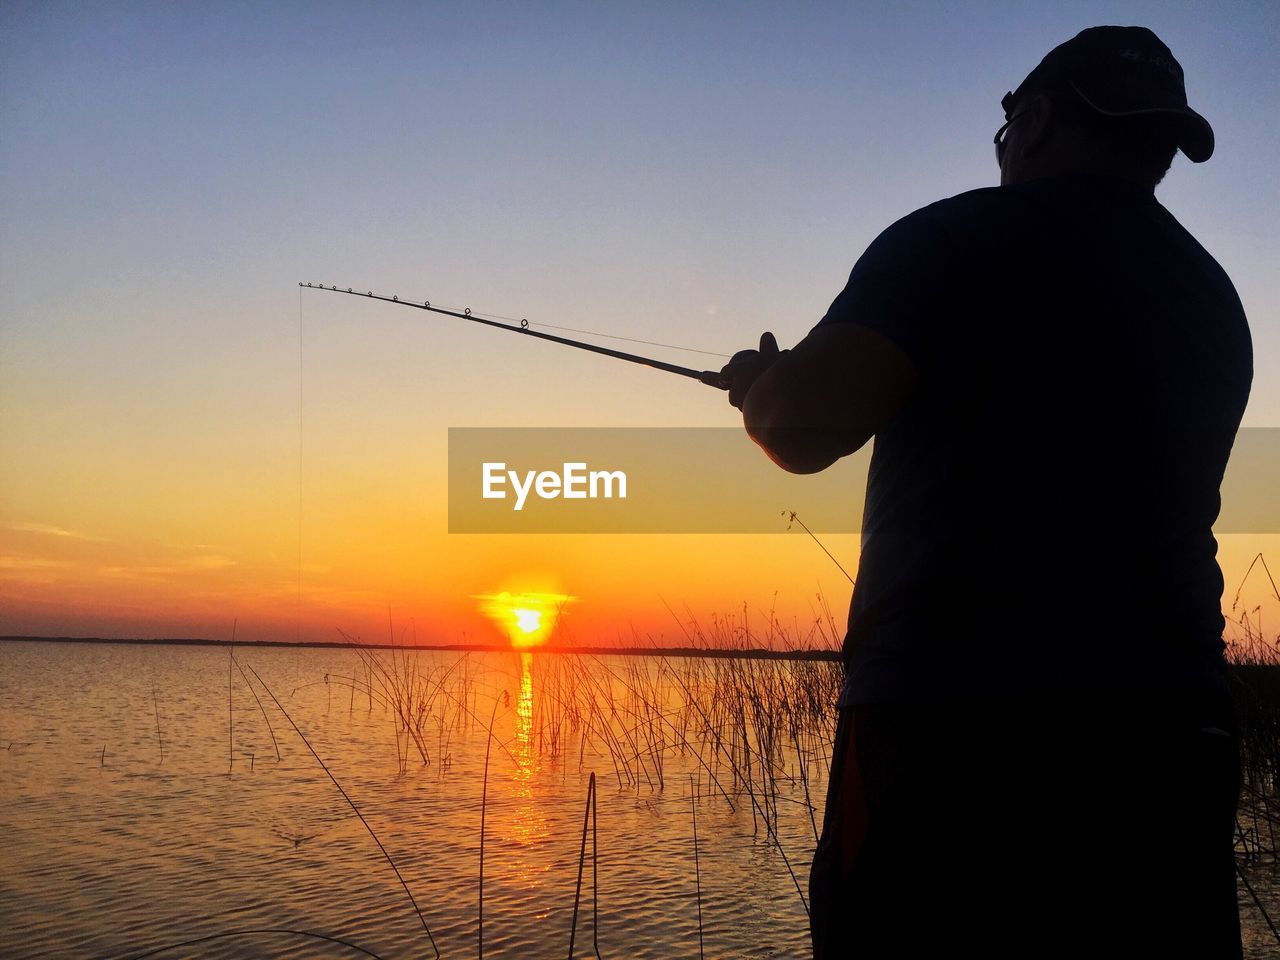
column 354, row 808
column 697, row 870
column 155, row 702
column 484, row 803
column 588, row 816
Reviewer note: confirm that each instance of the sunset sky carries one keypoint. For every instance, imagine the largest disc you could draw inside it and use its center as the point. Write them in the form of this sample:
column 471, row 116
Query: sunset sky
column 185, row 441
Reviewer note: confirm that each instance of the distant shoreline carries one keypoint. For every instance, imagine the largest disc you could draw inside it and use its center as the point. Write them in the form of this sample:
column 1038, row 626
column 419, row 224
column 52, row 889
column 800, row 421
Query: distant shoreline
column 747, row 653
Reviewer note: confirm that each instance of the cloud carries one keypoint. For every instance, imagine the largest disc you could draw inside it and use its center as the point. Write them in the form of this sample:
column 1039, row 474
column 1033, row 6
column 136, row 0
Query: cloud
column 48, row 530
column 211, row 561
column 139, row 572
column 31, row 569
column 185, row 567
column 30, row 563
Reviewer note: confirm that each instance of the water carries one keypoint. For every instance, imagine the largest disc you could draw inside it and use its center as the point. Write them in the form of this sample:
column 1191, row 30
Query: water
column 109, row 851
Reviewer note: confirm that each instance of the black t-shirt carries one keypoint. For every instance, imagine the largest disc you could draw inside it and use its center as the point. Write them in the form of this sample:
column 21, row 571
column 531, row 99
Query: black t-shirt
column 1039, row 515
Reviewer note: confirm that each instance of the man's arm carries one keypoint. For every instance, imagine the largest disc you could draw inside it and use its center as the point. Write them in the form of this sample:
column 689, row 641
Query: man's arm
column 809, row 406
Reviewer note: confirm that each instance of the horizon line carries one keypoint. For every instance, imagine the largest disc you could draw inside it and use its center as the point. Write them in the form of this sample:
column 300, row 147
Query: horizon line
column 762, row 653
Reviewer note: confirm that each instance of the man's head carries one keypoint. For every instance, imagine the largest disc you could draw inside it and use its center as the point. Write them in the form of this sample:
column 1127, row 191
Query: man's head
column 1110, row 101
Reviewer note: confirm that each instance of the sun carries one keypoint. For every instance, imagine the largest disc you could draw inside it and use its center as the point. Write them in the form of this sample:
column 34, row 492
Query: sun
column 527, row 621
column 527, row 618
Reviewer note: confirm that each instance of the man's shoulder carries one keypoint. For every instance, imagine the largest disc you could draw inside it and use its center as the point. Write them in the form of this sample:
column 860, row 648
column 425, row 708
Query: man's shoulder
column 979, row 198
column 1031, row 199
column 977, row 223
column 979, row 202
column 955, row 218
column 936, row 238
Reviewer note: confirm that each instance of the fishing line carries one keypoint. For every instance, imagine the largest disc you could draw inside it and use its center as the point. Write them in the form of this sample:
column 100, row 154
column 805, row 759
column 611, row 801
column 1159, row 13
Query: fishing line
column 709, row 377
column 301, row 369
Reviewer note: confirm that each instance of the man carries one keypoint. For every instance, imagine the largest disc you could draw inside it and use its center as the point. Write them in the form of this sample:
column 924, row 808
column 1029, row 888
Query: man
column 1036, row 753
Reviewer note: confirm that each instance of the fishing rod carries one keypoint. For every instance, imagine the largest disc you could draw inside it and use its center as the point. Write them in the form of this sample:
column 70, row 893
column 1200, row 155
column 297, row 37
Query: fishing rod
column 710, row 377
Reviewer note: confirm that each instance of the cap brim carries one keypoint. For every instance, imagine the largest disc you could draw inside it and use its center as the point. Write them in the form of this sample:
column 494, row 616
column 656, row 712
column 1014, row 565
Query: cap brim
column 1195, row 136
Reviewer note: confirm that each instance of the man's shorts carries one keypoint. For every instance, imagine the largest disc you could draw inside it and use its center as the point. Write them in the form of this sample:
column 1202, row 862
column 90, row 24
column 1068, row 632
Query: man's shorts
column 1089, row 825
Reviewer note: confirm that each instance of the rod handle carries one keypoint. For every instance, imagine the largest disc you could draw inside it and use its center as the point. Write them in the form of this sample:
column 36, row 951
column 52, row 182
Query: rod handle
column 712, row 379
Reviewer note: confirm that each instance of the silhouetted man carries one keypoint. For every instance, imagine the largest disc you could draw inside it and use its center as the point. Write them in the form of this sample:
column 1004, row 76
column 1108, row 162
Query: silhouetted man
column 1036, row 753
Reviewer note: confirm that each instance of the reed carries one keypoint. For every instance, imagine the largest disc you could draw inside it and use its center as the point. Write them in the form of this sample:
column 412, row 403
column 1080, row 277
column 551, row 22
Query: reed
column 275, row 745
column 697, row 869
column 355, row 809
column 484, row 806
column 155, row 702
column 411, row 696
column 1257, row 902
column 1254, row 674
column 1254, row 659
column 443, row 698
column 792, row 518
column 231, row 658
column 588, row 815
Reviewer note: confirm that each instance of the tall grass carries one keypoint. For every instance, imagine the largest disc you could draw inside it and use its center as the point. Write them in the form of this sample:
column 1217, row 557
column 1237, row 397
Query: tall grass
column 759, row 729
column 1254, row 659
column 1254, row 673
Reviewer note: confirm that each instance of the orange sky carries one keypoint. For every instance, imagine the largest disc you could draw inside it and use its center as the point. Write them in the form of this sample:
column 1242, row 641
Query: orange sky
column 125, row 575
column 155, row 511
column 173, row 507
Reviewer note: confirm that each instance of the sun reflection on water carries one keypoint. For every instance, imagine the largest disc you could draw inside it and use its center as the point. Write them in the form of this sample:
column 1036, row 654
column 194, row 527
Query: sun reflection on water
column 526, row 827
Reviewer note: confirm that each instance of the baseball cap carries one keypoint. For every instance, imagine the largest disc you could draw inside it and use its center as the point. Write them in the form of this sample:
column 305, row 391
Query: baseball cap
column 1125, row 72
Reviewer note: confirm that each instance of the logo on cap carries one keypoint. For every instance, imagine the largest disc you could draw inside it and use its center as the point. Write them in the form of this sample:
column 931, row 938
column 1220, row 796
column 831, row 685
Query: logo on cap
column 1141, row 56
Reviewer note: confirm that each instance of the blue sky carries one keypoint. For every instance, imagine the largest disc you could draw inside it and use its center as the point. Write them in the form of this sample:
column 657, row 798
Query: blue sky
column 692, row 171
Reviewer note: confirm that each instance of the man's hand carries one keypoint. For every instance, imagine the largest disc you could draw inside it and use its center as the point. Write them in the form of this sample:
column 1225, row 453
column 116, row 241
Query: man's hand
column 745, row 367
